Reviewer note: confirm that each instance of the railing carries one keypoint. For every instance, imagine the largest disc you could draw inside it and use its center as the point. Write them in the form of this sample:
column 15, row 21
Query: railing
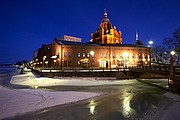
column 154, row 67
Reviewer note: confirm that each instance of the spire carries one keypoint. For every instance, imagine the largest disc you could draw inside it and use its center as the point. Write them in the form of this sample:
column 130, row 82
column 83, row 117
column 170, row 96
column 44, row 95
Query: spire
column 105, row 19
column 105, row 13
column 138, row 42
column 137, row 36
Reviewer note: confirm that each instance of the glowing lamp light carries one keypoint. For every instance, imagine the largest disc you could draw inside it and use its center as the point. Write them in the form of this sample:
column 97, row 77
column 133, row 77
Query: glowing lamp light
column 46, row 62
column 151, row 42
column 92, row 53
column 44, row 57
column 55, row 56
column 173, row 52
column 125, row 54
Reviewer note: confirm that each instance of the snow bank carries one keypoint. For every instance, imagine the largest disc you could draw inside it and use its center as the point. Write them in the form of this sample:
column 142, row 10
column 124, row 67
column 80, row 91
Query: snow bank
column 30, row 79
column 16, row 102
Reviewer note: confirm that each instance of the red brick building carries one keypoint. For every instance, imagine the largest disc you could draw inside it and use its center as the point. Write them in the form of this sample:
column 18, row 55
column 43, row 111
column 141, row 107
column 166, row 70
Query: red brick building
column 105, row 50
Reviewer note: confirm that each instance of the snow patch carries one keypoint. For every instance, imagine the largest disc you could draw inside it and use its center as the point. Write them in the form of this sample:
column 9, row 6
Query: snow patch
column 30, row 79
column 30, row 100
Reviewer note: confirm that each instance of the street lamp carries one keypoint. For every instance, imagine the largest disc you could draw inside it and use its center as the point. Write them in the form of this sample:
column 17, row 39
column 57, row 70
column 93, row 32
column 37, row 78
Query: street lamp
column 44, row 57
column 173, row 52
column 151, row 42
column 92, row 54
column 54, row 57
column 172, row 60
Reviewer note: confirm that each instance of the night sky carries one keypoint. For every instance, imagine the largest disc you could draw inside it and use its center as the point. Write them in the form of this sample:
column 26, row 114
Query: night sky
column 27, row 24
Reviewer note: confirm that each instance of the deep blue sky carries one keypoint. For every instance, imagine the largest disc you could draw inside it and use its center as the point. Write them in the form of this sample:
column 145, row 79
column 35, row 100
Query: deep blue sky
column 26, row 24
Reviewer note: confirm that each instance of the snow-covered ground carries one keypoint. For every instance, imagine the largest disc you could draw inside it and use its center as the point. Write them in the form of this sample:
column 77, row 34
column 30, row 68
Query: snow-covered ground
column 30, row 79
column 16, row 102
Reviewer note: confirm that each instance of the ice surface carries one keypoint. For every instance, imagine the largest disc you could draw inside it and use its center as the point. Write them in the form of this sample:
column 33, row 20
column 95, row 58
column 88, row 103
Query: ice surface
column 16, row 102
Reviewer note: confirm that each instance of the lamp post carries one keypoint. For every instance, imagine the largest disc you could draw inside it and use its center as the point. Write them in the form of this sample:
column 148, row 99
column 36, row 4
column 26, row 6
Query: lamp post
column 92, row 55
column 44, row 57
column 54, row 57
column 150, row 52
column 172, row 60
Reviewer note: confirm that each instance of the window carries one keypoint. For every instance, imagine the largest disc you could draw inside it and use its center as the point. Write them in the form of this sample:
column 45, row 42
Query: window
column 65, row 55
column 132, row 55
column 48, row 49
column 65, row 63
column 79, row 54
column 120, row 56
column 69, row 54
column 112, row 55
column 105, row 55
column 84, row 54
column 59, row 54
column 101, row 55
column 88, row 54
column 69, row 63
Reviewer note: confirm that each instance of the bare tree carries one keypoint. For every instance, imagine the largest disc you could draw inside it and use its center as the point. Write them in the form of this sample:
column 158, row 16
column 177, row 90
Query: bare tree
column 157, row 52
column 173, row 43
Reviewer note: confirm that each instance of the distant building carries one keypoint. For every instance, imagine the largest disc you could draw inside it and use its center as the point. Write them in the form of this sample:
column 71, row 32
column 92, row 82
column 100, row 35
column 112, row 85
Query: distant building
column 105, row 50
column 70, row 38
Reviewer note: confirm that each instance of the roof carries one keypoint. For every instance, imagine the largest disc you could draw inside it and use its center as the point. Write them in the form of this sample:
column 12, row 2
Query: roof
column 124, row 45
column 63, row 42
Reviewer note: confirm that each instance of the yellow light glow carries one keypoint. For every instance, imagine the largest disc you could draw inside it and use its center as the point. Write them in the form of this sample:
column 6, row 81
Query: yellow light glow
column 136, row 59
column 125, row 54
column 55, row 56
column 92, row 53
column 143, row 59
column 92, row 106
column 54, row 60
column 127, row 110
column 46, row 62
column 173, row 52
column 35, row 87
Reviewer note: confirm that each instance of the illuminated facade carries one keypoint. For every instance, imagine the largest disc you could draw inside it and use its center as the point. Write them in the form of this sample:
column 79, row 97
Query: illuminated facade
column 104, row 51
column 106, row 34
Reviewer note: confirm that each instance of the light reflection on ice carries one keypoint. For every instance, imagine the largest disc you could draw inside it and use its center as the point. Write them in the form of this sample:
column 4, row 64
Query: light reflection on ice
column 92, row 106
column 127, row 111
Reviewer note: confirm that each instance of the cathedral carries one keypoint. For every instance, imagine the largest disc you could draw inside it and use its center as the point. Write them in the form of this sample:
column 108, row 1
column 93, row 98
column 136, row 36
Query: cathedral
column 105, row 50
column 106, row 33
